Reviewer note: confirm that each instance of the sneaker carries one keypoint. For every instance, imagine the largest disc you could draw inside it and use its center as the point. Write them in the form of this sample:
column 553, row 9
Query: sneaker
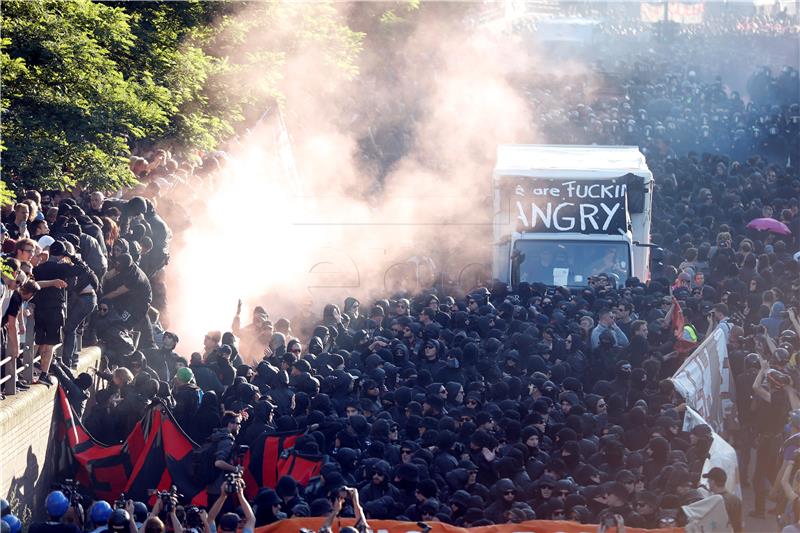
column 44, row 379
column 22, row 385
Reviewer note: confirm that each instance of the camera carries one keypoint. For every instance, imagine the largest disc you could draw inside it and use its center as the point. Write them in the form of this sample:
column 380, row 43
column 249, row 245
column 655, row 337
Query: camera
column 233, row 480
column 193, row 518
column 168, row 498
column 70, row 490
column 119, row 503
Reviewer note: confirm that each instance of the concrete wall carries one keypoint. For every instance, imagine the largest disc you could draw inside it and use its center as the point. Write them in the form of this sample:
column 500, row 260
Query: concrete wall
column 26, row 447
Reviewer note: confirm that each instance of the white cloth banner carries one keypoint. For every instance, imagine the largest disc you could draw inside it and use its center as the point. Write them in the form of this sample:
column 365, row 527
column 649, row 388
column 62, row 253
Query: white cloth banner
column 680, row 12
column 704, row 379
column 707, row 516
column 721, row 454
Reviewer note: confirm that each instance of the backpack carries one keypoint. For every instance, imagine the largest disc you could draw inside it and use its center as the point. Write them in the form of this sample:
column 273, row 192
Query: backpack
column 203, row 469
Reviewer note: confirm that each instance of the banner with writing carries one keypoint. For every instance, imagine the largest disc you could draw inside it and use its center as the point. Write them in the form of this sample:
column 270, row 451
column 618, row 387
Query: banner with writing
column 704, row 379
column 575, row 206
column 295, row 525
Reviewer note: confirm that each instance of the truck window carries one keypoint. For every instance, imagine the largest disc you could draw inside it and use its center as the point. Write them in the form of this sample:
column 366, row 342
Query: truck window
column 569, row 263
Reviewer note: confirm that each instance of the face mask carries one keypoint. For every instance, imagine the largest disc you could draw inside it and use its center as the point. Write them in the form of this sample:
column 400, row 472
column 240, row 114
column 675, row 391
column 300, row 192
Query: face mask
column 453, row 363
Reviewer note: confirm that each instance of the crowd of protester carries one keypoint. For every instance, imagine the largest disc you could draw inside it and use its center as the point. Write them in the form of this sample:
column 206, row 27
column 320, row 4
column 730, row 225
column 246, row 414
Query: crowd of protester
column 495, row 406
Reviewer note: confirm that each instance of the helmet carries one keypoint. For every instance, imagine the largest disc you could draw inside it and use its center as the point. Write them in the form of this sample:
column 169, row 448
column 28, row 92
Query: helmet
column 100, row 512
column 752, row 360
column 781, row 355
column 119, row 520
column 56, row 504
column 13, row 523
column 139, row 512
column 778, row 379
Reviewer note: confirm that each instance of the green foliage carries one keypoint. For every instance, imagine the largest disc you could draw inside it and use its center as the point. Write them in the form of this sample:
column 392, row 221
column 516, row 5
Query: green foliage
column 84, row 81
column 68, row 111
column 7, row 196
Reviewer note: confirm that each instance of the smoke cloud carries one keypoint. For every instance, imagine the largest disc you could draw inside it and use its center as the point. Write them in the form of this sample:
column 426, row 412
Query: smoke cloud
column 336, row 230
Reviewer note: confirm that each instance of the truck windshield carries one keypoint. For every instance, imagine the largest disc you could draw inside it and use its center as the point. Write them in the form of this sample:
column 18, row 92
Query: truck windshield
column 569, row 263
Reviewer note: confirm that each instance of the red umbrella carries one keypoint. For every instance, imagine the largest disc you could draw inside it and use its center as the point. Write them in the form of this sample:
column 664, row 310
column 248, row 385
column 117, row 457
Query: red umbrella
column 769, row 224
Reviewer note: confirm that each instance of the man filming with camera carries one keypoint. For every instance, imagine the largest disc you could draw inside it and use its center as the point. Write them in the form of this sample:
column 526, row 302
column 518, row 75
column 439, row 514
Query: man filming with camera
column 225, row 452
column 230, row 522
column 340, row 498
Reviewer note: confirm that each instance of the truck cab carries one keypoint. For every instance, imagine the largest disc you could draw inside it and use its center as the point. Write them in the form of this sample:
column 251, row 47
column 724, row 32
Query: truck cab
column 565, row 213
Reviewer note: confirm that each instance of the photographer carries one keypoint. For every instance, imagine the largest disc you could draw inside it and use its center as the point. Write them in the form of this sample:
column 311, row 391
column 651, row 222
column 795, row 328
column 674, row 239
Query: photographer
column 225, row 453
column 57, row 506
column 229, row 522
column 344, row 493
column 608, row 521
column 166, row 503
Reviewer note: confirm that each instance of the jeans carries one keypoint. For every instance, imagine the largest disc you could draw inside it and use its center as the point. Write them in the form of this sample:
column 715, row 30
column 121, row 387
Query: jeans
column 81, row 308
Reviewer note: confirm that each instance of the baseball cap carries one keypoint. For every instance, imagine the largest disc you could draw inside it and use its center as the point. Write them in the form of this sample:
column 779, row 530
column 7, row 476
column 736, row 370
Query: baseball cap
column 229, row 522
column 185, row 375
column 717, row 475
column 45, row 241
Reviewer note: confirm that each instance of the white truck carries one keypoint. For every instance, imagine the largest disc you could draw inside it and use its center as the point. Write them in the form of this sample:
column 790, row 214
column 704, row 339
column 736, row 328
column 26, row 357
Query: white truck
column 565, row 213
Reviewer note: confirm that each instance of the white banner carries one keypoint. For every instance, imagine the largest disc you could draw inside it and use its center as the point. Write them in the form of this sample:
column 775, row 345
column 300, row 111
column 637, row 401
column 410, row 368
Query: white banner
column 707, row 516
column 680, row 12
column 721, row 454
column 704, row 380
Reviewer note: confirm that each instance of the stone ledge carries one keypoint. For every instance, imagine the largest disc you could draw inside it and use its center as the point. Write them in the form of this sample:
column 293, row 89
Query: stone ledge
column 26, row 467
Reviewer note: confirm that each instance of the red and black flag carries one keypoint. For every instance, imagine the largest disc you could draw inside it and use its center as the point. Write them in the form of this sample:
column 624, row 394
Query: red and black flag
column 158, row 454
column 272, row 456
column 301, row 466
column 166, row 461
column 103, row 467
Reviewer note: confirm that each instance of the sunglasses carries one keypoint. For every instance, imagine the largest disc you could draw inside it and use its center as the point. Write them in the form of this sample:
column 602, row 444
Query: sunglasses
column 472, row 402
column 405, row 452
column 509, row 492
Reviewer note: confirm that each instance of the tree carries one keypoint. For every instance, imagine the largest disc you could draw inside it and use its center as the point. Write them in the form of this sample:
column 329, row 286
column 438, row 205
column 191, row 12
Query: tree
column 83, row 81
column 68, row 111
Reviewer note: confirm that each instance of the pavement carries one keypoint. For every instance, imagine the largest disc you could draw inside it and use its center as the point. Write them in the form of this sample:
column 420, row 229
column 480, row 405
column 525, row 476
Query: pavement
column 757, row 525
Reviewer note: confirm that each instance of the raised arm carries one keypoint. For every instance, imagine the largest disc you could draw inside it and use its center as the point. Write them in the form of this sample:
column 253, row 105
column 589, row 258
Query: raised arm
column 758, row 384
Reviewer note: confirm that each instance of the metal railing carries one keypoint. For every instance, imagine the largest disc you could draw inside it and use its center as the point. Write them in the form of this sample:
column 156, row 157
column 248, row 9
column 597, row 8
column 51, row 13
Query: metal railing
column 13, row 371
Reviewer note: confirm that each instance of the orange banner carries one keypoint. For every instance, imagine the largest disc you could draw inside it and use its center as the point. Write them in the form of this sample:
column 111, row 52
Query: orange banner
column 393, row 526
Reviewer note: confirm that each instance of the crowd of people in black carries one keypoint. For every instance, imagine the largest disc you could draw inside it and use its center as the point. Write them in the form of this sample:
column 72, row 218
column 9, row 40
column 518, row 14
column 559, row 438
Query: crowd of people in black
column 495, row 406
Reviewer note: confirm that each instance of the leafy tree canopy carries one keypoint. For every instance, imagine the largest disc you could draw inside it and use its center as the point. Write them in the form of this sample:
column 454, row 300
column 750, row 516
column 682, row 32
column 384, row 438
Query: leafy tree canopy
column 83, row 81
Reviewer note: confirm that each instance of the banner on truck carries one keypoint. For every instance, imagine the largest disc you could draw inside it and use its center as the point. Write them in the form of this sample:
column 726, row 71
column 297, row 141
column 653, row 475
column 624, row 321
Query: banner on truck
column 704, row 379
column 575, row 206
